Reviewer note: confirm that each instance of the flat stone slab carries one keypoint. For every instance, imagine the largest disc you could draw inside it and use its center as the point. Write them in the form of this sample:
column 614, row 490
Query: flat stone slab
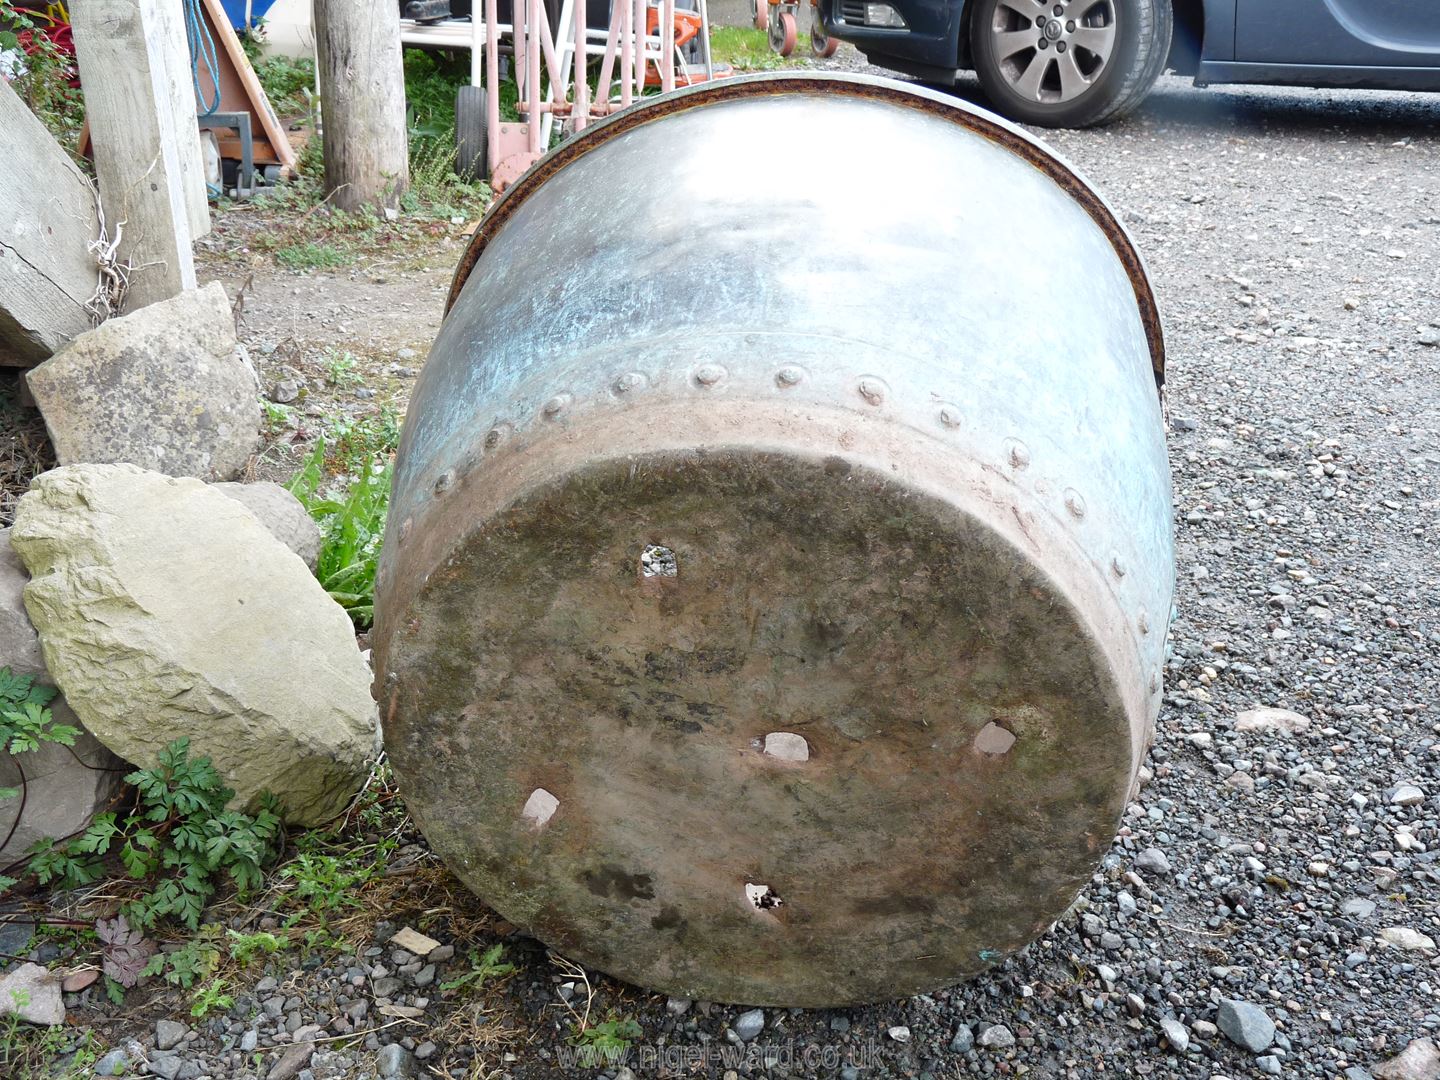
column 166, row 610
column 166, row 387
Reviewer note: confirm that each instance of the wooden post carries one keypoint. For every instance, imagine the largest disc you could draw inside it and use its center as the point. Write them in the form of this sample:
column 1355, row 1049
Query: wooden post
column 362, row 98
column 126, row 55
column 47, row 272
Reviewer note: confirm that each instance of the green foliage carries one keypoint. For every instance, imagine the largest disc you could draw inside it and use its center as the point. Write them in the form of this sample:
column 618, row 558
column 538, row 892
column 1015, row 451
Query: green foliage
column 747, row 49
column 193, row 962
column 602, row 1044
column 352, row 523
column 322, row 883
column 340, row 369
column 25, row 722
column 43, row 78
column 181, row 835
column 245, row 947
column 277, row 417
column 310, row 255
column 28, row 1052
column 431, row 82
column 483, row 966
column 288, row 82
column 209, row 997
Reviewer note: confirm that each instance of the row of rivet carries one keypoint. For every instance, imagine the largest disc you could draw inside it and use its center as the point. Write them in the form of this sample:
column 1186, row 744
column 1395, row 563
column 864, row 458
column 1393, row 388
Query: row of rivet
column 870, row 387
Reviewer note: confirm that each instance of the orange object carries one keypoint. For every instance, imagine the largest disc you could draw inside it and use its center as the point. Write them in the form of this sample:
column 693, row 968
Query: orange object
column 687, row 24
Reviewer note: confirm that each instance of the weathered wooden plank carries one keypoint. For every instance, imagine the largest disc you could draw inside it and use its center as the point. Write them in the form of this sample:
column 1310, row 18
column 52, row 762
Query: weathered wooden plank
column 180, row 83
column 137, row 137
column 46, row 270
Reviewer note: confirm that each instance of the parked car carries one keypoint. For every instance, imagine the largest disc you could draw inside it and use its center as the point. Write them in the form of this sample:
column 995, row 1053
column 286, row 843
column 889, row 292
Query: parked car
column 1075, row 63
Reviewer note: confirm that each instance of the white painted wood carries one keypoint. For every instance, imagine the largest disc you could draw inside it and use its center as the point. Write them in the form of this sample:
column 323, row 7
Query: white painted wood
column 362, row 98
column 181, row 86
column 124, row 72
column 48, row 222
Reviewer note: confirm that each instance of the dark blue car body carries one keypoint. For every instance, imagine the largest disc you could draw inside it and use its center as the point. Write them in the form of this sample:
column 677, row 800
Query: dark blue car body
column 1376, row 44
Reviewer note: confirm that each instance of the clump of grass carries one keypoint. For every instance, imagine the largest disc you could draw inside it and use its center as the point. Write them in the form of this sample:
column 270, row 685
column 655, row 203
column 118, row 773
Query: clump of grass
column 746, row 49
column 350, row 512
column 311, row 256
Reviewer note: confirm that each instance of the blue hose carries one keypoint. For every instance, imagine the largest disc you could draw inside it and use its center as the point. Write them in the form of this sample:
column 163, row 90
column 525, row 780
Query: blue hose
column 202, row 51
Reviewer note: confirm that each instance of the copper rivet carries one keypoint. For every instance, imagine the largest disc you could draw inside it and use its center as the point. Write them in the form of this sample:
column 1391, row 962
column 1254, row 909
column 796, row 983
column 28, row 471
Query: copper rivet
column 1143, row 622
column 789, row 375
column 556, row 405
column 444, row 481
column 1075, row 503
column 1116, row 566
column 631, row 380
column 709, row 374
column 872, row 389
column 950, row 416
column 1017, row 453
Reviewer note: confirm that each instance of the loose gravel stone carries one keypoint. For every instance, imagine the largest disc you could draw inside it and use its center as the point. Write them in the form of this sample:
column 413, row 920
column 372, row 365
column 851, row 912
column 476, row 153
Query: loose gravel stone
column 168, row 1034
column 996, row 1037
column 1152, row 861
column 1175, row 1034
column 1245, row 1025
column 749, row 1024
column 395, row 1061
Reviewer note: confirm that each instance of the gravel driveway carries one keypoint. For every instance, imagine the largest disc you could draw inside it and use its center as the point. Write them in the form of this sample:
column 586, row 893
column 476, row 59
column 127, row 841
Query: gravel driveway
column 1294, row 240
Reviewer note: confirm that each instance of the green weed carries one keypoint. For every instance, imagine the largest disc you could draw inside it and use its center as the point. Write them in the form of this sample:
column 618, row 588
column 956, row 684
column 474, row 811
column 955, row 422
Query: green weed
column 210, row 997
column 340, row 369
column 310, row 255
column 277, row 417
column 483, row 967
column 352, row 520
column 245, row 947
column 25, row 723
column 606, row 1043
column 181, row 835
column 193, row 962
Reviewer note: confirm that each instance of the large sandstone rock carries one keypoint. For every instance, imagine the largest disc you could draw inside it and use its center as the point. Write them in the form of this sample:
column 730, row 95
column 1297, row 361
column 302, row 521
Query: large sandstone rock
column 165, row 387
column 166, row 609
column 282, row 514
column 63, row 786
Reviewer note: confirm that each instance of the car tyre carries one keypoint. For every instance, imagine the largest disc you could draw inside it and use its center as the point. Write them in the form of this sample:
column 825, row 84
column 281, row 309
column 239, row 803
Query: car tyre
column 1098, row 60
column 472, row 136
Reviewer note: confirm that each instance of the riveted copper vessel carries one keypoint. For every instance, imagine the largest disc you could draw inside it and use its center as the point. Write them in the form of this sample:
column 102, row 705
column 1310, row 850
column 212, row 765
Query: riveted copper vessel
column 773, row 603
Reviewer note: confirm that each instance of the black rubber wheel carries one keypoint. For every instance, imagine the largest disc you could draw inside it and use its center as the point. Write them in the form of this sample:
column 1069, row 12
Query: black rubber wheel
column 1069, row 64
column 472, row 142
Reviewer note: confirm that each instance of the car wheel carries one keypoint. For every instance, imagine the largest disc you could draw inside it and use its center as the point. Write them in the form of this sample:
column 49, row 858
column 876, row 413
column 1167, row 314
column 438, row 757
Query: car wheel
column 1069, row 63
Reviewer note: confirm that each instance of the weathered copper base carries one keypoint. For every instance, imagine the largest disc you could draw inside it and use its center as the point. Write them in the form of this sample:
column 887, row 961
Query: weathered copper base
column 967, row 752
column 773, row 598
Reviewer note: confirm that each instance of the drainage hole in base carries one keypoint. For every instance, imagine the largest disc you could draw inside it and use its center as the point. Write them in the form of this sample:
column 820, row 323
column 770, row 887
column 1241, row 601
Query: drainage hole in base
column 540, row 807
column 657, row 561
column 762, row 897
